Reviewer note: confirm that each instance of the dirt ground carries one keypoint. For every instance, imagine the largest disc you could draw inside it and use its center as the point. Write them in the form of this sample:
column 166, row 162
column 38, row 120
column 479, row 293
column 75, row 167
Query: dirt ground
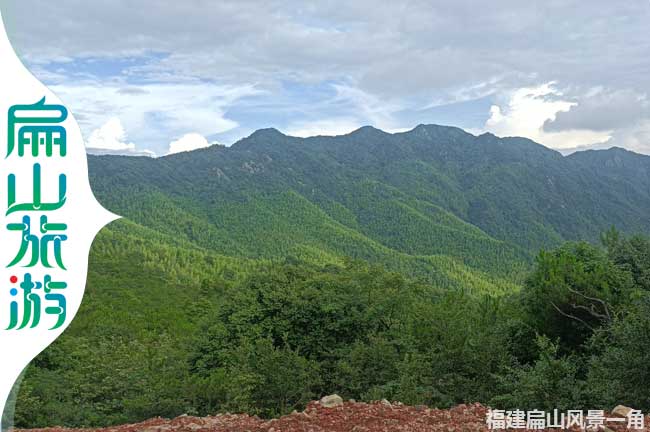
column 348, row 417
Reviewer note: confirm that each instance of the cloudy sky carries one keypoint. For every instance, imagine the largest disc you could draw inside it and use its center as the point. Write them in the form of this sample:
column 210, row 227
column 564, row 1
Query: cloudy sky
column 164, row 76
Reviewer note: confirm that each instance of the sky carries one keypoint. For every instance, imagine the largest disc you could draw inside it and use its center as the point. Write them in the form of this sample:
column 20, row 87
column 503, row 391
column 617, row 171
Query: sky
column 158, row 76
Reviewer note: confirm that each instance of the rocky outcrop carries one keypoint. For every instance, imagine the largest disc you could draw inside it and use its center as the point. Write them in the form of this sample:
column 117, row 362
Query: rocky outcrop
column 331, row 401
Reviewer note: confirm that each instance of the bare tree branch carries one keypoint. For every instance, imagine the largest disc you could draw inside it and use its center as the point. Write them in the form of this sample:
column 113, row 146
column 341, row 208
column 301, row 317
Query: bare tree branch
column 590, row 310
column 573, row 317
column 602, row 302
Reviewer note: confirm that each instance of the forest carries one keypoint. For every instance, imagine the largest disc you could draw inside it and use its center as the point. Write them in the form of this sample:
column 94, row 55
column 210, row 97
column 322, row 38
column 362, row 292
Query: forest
column 267, row 339
column 431, row 267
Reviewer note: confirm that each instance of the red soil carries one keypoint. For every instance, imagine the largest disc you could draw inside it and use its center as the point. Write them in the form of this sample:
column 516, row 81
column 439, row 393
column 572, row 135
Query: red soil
column 349, row 417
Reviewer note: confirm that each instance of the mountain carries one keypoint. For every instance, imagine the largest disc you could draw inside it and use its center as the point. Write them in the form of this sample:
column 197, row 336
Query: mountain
column 434, row 202
column 228, row 286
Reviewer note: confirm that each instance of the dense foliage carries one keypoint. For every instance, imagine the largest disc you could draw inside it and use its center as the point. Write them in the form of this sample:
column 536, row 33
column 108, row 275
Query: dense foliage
column 266, row 338
column 258, row 277
column 435, row 202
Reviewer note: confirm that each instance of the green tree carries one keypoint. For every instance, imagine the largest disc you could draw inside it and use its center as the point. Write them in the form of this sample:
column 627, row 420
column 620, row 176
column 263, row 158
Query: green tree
column 573, row 291
column 618, row 368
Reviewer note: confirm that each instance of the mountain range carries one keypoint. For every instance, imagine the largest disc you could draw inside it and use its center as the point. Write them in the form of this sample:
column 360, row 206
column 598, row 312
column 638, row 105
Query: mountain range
column 370, row 264
column 435, row 202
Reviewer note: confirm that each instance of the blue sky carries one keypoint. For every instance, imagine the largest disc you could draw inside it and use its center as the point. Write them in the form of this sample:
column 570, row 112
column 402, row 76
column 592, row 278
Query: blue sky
column 152, row 77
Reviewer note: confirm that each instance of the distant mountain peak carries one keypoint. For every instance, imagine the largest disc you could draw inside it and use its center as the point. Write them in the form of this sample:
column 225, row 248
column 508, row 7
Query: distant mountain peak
column 488, row 135
column 613, row 157
column 616, row 149
column 368, row 132
column 267, row 133
column 607, row 152
column 261, row 138
column 434, row 130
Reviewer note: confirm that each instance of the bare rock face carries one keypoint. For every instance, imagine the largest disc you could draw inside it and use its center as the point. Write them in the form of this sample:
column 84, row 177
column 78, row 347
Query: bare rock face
column 331, row 401
column 621, row 411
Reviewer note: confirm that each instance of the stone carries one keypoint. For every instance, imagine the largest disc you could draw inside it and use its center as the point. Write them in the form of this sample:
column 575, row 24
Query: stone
column 621, row 411
column 331, row 401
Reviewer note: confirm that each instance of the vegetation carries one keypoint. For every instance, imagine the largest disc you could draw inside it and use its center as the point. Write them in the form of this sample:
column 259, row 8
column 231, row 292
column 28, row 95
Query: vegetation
column 266, row 339
column 407, row 267
column 489, row 203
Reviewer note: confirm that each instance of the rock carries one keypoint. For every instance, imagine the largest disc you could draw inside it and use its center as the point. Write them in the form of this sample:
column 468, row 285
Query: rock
column 385, row 402
column 352, row 401
column 331, row 401
column 621, row 411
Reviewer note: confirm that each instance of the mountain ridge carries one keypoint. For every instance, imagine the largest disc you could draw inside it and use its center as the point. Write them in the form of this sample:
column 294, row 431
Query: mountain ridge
column 486, row 202
column 375, row 265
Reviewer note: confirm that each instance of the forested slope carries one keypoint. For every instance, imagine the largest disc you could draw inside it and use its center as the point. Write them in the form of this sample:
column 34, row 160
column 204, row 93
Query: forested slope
column 258, row 277
column 405, row 200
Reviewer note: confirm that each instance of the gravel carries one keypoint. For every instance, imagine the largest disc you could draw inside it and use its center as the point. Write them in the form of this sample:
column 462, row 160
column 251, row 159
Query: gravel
column 349, row 417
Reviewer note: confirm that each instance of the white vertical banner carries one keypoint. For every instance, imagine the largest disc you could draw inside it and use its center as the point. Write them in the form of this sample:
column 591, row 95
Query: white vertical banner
column 48, row 217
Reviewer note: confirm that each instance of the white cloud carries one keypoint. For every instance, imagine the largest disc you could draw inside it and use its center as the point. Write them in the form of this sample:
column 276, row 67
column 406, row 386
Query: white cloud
column 153, row 112
column 328, row 127
column 635, row 138
column 110, row 136
column 369, row 109
column 525, row 111
column 356, row 107
column 603, row 110
column 392, row 61
column 188, row 142
column 397, row 48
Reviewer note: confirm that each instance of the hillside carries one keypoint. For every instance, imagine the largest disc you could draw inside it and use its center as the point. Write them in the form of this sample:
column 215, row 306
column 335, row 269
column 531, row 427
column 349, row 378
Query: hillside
column 433, row 202
column 257, row 277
